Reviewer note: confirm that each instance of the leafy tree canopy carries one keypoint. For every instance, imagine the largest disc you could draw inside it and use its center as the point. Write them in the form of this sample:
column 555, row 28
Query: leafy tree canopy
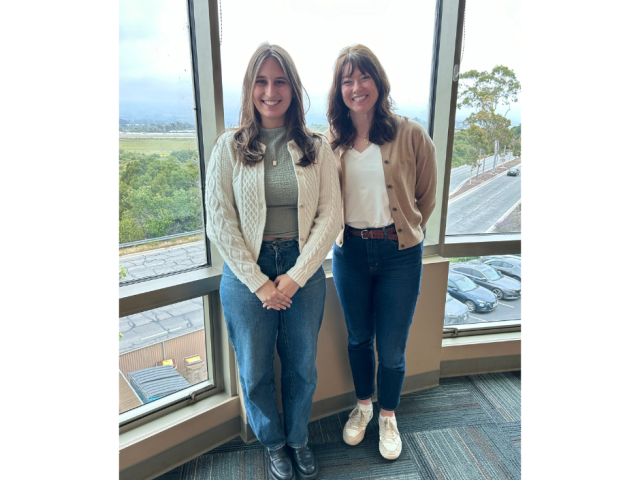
column 484, row 92
column 487, row 90
column 159, row 196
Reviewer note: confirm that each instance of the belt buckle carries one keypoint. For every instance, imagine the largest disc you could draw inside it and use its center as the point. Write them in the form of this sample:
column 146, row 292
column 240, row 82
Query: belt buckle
column 362, row 232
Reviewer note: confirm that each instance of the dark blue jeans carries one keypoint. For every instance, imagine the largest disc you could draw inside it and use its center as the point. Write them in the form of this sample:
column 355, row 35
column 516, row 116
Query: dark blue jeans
column 255, row 332
column 378, row 286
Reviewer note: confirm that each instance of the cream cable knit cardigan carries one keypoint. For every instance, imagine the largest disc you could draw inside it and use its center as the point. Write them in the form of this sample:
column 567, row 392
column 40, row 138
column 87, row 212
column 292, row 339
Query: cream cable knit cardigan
column 236, row 210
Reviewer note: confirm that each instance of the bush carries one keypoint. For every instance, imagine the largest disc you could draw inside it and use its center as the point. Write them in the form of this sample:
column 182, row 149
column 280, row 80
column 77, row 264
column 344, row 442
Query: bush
column 130, row 231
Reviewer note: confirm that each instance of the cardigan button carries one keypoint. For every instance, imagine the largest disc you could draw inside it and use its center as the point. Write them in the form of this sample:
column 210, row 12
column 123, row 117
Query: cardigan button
column 402, row 245
column 386, row 161
column 395, row 209
column 399, row 230
column 301, row 205
column 389, row 186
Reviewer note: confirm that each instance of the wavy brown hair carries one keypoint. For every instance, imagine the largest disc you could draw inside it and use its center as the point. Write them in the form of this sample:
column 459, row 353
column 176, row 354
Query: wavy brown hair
column 383, row 129
column 245, row 139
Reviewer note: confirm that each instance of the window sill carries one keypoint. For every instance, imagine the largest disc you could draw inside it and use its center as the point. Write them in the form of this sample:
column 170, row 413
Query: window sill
column 481, row 339
column 483, row 329
column 147, row 295
column 145, row 413
column 482, row 244
column 167, row 431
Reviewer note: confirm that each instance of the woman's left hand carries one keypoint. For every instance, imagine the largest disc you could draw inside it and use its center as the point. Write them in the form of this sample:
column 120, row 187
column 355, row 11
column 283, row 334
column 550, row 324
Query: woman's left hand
column 286, row 285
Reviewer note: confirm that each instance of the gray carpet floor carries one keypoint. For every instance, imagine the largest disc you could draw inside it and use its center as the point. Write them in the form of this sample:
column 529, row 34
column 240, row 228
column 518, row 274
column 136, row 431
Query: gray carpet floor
column 467, row 428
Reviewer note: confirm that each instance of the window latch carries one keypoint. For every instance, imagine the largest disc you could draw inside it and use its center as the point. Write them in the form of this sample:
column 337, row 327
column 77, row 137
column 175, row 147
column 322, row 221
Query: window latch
column 192, row 398
column 451, row 330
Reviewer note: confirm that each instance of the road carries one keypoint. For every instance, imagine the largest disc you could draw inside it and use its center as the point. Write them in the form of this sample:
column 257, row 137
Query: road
column 478, row 209
column 461, row 174
column 159, row 262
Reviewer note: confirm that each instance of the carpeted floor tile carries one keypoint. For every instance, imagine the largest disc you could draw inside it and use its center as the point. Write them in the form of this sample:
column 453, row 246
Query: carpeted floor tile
column 497, row 393
column 502, row 390
column 467, row 428
column 448, row 405
column 512, row 432
column 337, row 461
column 464, row 453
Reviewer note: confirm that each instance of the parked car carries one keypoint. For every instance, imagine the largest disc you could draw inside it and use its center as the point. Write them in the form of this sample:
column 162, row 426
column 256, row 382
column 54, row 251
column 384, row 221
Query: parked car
column 475, row 297
column 513, row 172
column 507, row 264
column 455, row 312
column 486, row 276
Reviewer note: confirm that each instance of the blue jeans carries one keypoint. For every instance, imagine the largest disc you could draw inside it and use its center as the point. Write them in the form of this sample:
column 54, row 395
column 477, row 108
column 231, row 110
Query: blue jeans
column 378, row 287
column 255, row 332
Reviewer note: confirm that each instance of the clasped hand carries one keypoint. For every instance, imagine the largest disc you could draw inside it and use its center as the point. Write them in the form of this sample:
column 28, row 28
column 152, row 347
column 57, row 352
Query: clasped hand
column 277, row 294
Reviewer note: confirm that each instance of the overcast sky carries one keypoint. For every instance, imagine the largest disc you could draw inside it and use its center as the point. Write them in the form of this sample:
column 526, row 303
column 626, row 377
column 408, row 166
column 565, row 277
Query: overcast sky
column 155, row 70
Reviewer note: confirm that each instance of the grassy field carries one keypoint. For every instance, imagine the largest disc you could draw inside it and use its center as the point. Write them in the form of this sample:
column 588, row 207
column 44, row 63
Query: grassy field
column 165, row 146
column 157, row 145
column 318, row 128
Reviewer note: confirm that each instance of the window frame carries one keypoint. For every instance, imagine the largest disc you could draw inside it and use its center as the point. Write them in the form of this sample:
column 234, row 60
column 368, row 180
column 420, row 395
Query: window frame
column 202, row 281
column 451, row 37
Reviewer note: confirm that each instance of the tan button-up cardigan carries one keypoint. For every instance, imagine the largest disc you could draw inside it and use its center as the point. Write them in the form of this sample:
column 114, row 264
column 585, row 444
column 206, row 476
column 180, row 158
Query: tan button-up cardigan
column 410, row 172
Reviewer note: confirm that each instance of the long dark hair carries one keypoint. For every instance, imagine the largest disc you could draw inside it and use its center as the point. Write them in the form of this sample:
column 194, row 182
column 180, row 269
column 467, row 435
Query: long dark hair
column 383, row 129
column 245, row 139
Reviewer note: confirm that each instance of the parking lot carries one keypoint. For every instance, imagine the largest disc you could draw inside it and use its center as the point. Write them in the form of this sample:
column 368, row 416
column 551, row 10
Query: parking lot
column 506, row 310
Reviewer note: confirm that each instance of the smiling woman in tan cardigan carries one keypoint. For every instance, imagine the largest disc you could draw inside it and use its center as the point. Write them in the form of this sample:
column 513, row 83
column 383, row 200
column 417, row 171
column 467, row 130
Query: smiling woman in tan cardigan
column 387, row 170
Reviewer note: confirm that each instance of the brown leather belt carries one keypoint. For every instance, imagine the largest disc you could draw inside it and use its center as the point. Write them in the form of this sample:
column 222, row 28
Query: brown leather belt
column 375, row 234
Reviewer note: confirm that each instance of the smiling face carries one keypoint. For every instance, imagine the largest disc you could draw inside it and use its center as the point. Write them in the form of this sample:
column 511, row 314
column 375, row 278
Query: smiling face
column 359, row 91
column 271, row 94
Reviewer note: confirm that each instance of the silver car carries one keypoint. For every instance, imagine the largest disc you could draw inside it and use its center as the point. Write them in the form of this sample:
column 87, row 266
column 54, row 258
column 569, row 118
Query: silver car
column 455, row 312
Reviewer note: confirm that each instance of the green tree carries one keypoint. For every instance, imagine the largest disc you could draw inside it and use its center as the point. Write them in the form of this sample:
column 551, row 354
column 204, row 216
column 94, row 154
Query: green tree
column 484, row 92
column 159, row 196
column 514, row 144
column 478, row 139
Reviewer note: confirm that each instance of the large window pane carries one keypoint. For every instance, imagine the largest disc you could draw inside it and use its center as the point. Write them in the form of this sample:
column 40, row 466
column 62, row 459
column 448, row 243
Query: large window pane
column 483, row 290
column 162, row 351
column 160, row 216
column 314, row 32
column 485, row 187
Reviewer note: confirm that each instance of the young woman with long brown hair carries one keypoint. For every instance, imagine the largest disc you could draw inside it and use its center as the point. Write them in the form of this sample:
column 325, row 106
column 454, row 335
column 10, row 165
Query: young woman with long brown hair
column 273, row 211
column 387, row 170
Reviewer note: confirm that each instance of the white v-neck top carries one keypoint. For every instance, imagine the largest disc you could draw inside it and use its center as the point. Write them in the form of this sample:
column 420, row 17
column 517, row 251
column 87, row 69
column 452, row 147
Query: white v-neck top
column 365, row 197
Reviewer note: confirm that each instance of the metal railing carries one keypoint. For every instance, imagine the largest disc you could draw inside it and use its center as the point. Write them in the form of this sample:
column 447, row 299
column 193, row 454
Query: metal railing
column 159, row 239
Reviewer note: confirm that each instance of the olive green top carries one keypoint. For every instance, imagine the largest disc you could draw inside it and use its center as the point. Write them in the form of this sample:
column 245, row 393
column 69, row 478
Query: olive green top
column 280, row 185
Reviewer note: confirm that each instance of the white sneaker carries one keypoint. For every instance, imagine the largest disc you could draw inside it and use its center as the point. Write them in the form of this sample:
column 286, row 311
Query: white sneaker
column 390, row 444
column 353, row 431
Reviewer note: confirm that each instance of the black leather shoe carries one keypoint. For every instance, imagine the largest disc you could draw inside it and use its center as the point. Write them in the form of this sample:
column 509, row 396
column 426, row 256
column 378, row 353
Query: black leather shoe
column 304, row 462
column 280, row 465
